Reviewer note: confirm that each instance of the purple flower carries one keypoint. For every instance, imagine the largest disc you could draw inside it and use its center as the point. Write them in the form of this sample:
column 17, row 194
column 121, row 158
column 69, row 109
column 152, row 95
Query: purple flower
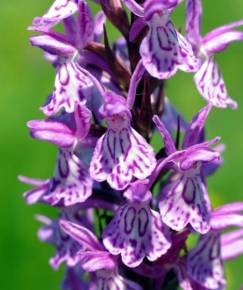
column 65, row 130
column 208, row 79
column 121, row 153
column 66, row 247
column 185, row 200
column 204, row 267
column 73, row 86
column 94, row 259
column 71, row 182
column 137, row 231
column 205, row 264
column 163, row 50
column 79, row 31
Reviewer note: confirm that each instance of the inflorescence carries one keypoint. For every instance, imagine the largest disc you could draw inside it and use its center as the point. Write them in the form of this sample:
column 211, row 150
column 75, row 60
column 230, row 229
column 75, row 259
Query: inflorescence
column 125, row 211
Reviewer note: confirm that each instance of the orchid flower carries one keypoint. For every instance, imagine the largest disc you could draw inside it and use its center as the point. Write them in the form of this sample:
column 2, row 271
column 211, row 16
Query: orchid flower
column 208, row 79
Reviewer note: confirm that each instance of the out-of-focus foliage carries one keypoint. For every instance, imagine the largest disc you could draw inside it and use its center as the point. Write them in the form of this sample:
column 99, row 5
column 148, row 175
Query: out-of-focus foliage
column 25, row 80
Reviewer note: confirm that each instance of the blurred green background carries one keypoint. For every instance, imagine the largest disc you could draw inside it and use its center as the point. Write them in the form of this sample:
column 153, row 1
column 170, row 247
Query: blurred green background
column 25, row 80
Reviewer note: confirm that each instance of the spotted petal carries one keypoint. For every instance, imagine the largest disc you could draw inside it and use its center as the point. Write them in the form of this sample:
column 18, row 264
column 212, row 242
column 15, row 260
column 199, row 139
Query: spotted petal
column 120, row 155
column 204, row 263
column 111, row 280
column 210, row 84
column 182, row 275
column 66, row 247
column 193, row 21
column 136, row 232
column 164, row 50
column 71, row 183
column 185, row 201
column 73, row 85
column 59, row 10
column 92, row 256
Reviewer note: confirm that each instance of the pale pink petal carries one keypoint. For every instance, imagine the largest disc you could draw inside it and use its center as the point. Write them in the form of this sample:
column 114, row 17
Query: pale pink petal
column 210, row 84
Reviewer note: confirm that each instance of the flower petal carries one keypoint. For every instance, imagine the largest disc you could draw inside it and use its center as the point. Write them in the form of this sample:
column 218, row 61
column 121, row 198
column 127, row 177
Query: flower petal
column 195, row 128
column 220, row 222
column 73, row 85
column 154, row 6
column 168, row 141
column 135, row 79
column 119, row 155
column 92, row 261
column 71, row 183
column 164, row 50
column 210, row 84
column 53, row 44
column 59, row 10
column 219, row 38
column 193, row 21
column 192, row 157
column 205, row 264
column 114, row 105
column 111, row 280
column 185, row 201
column 229, row 208
column 134, row 7
column 138, row 192
column 55, row 132
column 85, row 24
column 183, row 277
column 83, row 121
column 67, row 248
column 136, row 232
column 137, row 27
column 82, row 235
column 99, row 22
column 35, row 195
column 232, row 244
